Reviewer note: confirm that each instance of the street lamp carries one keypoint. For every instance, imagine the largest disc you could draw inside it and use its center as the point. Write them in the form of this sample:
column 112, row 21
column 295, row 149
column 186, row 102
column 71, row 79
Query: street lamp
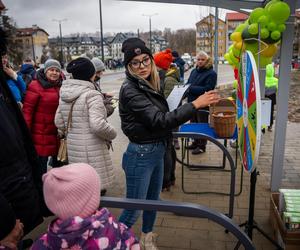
column 150, row 15
column 101, row 31
column 61, row 41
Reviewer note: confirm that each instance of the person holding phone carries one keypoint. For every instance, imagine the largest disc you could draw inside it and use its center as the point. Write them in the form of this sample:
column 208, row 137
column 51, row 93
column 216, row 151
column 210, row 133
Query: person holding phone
column 14, row 81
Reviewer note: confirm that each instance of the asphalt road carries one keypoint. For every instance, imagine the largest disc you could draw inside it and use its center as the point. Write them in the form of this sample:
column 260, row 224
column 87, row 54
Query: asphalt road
column 111, row 81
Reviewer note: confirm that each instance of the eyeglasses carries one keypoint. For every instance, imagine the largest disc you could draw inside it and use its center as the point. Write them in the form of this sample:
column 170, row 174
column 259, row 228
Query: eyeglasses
column 136, row 64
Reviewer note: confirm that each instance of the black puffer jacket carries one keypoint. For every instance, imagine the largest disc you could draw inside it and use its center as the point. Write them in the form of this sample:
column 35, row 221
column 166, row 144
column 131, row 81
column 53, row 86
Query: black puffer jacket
column 145, row 115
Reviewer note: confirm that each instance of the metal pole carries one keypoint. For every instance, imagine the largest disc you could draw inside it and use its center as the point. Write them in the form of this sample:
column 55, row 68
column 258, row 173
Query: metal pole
column 216, row 51
column 101, row 31
column 61, row 43
column 261, row 71
column 33, row 52
column 61, row 39
column 286, row 51
column 150, row 33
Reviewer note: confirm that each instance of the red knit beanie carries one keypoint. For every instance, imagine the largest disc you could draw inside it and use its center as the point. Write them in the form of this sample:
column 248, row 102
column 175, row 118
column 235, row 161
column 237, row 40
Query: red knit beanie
column 72, row 190
column 163, row 59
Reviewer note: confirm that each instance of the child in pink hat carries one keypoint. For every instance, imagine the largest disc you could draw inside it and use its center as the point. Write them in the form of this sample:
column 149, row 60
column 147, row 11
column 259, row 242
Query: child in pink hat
column 72, row 193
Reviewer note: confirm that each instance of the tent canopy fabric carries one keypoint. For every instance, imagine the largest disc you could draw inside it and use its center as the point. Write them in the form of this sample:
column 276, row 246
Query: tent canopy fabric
column 236, row 5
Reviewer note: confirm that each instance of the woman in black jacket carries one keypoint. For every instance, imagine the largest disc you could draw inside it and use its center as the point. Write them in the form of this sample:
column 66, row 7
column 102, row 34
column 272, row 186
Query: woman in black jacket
column 21, row 193
column 148, row 124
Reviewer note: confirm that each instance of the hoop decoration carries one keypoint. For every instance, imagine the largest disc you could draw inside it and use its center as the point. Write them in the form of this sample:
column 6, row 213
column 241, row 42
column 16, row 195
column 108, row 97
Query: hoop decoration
column 248, row 104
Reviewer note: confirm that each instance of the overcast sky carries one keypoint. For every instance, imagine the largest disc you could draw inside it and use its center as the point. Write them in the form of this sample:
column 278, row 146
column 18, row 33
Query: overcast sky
column 83, row 15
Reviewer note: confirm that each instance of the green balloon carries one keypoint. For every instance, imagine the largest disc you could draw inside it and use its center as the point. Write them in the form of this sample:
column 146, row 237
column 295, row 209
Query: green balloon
column 233, row 59
column 253, row 29
column 240, row 28
column 271, row 26
column 256, row 14
column 263, row 61
column 275, row 35
column 281, row 27
column 263, row 20
column 253, row 47
column 227, row 57
column 279, row 12
column 248, row 38
column 270, row 3
column 264, row 33
column 236, row 52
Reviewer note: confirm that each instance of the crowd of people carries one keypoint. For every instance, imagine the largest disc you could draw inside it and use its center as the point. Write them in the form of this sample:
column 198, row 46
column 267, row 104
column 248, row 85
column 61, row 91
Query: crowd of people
column 38, row 110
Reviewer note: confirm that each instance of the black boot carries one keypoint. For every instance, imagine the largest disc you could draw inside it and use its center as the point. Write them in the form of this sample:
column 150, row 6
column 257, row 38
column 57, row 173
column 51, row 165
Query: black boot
column 199, row 150
column 192, row 146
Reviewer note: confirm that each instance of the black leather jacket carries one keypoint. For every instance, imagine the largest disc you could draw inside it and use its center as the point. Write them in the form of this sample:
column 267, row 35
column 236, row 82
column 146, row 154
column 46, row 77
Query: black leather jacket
column 145, row 115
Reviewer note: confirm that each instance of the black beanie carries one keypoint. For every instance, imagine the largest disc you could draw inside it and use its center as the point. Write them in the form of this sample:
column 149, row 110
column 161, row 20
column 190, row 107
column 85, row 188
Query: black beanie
column 175, row 53
column 133, row 47
column 81, row 69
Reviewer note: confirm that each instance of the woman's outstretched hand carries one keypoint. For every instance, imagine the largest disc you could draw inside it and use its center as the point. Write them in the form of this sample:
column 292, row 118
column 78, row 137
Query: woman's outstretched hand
column 206, row 99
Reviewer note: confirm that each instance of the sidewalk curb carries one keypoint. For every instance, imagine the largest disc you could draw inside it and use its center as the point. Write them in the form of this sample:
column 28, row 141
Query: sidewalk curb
column 114, row 72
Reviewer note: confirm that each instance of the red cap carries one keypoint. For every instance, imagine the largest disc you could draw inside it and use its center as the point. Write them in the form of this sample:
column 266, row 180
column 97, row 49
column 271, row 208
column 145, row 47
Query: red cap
column 163, row 59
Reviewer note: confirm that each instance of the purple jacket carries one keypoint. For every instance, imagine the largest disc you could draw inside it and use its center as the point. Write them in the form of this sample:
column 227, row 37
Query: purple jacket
column 99, row 231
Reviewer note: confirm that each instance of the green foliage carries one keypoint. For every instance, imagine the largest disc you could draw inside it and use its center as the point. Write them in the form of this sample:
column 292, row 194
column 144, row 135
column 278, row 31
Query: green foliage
column 14, row 50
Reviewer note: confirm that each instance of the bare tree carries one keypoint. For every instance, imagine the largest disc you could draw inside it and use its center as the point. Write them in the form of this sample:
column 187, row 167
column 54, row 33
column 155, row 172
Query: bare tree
column 183, row 40
column 14, row 48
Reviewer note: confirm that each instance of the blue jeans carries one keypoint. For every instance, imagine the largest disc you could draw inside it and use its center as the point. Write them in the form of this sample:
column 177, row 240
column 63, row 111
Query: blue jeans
column 144, row 167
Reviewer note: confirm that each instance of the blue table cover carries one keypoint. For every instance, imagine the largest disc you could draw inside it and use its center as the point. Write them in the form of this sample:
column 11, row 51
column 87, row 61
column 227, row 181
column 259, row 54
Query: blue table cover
column 203, row 128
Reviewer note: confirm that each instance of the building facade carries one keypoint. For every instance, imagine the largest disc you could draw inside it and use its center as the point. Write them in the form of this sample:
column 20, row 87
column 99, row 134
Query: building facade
column 205, row 34
column 32, row 42
column 158, row 44
column 233, row 19
column 78, row 45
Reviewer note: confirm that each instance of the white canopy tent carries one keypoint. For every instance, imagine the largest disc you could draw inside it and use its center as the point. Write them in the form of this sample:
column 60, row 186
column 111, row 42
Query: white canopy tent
column 284, row 72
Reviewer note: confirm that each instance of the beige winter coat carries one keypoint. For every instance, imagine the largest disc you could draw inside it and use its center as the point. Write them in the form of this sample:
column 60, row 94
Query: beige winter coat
column 90, row 132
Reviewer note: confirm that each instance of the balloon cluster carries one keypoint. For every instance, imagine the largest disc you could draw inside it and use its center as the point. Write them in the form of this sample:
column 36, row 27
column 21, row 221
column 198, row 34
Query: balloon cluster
column 271, row 20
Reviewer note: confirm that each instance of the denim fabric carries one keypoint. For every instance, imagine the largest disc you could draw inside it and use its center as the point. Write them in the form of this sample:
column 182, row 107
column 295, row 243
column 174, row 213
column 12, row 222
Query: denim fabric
column 143, row 165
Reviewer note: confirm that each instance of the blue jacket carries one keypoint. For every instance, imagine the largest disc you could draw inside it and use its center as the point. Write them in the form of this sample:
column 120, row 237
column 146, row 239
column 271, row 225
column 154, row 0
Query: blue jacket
column 180, row 63
column 17, row 87
column 28, row 73
column 27, row 69
column 201, row 80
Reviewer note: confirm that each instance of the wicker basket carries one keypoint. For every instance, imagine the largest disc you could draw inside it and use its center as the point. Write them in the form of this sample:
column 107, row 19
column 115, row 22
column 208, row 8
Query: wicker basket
column 224, row 123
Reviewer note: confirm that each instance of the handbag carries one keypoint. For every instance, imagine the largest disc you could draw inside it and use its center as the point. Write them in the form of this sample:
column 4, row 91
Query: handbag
column 62, row 154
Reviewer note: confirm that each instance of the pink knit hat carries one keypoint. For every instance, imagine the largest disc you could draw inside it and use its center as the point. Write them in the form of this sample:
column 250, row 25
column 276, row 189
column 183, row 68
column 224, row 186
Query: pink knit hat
column 72, row 190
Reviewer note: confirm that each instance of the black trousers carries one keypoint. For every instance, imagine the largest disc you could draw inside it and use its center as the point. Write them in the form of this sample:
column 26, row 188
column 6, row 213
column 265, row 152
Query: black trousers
column 200, row 117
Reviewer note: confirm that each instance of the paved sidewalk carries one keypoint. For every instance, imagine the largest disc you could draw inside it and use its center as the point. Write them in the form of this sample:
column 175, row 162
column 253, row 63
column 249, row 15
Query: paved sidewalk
column 189, row 233
column 180, row 233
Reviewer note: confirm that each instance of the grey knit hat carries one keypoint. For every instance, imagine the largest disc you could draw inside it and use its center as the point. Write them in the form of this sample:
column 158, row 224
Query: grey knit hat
column 52, row 63
column 99, row 65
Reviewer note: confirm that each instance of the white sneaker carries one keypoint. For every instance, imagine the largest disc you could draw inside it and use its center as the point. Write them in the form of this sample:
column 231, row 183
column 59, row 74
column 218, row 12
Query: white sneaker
column 148, row 241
